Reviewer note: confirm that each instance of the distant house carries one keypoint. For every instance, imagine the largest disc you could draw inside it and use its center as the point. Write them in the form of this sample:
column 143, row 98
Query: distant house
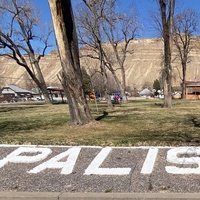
column 14, row 93
column 57, row 95
column 193, row 90
column 145, row 92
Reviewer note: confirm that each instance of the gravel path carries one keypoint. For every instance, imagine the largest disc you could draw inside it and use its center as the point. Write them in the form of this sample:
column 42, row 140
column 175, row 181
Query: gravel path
column 125, row 165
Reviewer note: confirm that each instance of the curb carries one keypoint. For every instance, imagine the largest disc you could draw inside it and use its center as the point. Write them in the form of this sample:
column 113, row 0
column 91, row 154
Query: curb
column 97, row 196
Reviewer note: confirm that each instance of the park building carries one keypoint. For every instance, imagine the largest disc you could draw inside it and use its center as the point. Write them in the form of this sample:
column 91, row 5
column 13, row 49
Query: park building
column 13, row 93
column 193, row 90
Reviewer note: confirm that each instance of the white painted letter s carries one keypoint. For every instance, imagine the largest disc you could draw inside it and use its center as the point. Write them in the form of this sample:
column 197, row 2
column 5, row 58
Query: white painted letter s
column 172, row 157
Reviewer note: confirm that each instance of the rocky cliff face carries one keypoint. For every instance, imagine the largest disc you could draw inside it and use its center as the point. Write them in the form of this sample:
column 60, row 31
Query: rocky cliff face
column 142, row 67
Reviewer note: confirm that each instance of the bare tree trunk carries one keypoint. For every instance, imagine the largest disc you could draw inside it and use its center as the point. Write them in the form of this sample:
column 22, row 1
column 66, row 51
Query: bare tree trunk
column 107, row 95
column 120, row 85
column 103, row 71
column 185, row 25
column 167, row 18
column 63, row 82
column 43, row 86
column 167, row 93
column 183, row 95
column 124, row 98
column 121, row 61
column 105, row 82
column 66, row 37
column 168, row 74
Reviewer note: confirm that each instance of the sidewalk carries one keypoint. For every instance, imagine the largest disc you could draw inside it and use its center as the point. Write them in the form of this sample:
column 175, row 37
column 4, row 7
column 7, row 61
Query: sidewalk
column 97, row 196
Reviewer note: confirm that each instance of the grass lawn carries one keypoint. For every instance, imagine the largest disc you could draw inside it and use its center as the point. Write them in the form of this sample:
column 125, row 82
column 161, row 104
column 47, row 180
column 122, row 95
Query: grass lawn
column 141, row 122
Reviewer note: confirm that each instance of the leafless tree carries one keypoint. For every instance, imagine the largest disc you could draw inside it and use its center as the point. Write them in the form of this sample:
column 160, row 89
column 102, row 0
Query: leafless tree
column 167, row 13
column 67, row 42
column 185, row 25
column 115, row 32
column 97, row 82
column 90, row 35
column 19, row 31
column 119, row 29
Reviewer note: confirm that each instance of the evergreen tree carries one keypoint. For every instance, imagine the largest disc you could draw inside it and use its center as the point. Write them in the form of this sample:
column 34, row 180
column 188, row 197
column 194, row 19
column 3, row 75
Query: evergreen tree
column 87, row 85
column 156, row 85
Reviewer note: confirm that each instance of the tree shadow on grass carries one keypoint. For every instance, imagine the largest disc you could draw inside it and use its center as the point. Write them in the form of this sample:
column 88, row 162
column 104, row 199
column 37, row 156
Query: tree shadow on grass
column 195, row 121
column 146, row 137
column 102, row 116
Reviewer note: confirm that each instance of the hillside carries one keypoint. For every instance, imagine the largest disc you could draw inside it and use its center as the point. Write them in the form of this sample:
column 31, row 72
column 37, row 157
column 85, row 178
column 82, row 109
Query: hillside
column 142, row 67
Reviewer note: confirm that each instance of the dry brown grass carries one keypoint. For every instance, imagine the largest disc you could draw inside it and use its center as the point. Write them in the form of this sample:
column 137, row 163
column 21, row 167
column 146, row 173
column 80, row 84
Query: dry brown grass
column 136, row 123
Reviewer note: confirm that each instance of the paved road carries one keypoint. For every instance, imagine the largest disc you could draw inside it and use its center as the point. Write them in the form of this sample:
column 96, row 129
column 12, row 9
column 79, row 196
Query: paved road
column 104, row 170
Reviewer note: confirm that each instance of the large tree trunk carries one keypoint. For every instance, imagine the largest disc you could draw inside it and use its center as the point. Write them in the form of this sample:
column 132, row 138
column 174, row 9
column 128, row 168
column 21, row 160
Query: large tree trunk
column 168, row 73
column 167, row 94
column 66, row 37
column 167, row 13
column 124, row 97
column 183, row 95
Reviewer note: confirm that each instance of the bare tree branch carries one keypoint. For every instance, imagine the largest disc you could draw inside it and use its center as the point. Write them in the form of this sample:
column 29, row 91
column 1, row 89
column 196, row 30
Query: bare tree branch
column 185, row 25
column 16, row 41
column 102, row 26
